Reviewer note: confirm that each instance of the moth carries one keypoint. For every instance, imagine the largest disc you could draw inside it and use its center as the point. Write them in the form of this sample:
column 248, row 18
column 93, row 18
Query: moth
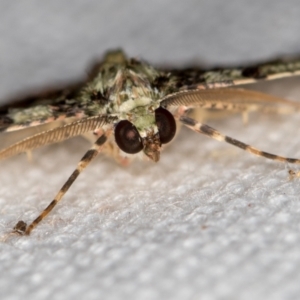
column 132, row 109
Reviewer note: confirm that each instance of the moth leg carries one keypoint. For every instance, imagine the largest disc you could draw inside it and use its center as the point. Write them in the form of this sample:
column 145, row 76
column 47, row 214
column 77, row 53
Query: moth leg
column 91, row 136
column 29, row 155
column 245, row 116
column 293, row 174
column 204, row 115
column 213, row 133
column 21, row 226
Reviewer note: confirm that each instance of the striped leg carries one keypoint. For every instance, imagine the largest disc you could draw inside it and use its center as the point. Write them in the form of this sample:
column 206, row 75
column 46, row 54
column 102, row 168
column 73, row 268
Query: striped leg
column 211, row 132
column 21, row 226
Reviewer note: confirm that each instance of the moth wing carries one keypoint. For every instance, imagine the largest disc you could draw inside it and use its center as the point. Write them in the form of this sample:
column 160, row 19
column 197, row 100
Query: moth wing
column 44, row 106
column 197, row 78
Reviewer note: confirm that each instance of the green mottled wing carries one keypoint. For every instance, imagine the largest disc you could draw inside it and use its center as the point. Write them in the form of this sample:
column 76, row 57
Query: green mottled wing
column 193, row 78
column 210, row 89
column 40, row 108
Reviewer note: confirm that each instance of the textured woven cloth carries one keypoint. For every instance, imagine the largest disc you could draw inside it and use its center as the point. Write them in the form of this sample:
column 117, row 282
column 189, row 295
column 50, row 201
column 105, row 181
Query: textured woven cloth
column 208, row 221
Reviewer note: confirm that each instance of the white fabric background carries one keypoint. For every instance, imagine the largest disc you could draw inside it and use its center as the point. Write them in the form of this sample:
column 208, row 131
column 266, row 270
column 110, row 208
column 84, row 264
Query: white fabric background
column 208, row 221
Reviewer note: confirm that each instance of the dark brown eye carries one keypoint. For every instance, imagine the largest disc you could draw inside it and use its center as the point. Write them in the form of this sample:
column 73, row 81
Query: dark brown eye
column 127, row 137
column 166, row 125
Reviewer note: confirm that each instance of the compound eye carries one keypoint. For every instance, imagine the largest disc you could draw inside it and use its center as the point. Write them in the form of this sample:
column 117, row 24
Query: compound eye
column 166, row 125
column 128, row 138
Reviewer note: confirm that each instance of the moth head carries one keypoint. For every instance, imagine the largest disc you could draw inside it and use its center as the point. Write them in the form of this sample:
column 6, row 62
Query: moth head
column 130, row 140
